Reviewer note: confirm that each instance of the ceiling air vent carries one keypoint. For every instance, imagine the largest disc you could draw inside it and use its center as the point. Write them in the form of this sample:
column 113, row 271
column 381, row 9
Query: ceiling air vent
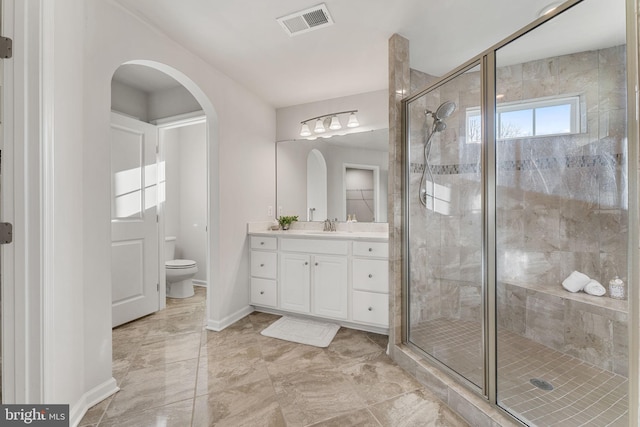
column 306, row 20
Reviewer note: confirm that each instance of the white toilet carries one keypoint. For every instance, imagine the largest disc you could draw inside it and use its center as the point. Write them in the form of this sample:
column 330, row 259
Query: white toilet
column 179, row 271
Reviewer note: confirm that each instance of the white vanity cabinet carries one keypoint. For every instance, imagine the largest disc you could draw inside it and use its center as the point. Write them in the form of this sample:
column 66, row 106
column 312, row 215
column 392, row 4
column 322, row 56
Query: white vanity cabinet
column 370, row 302
column 330, row 286
column 314, row 277
column 295, row 282
column 264, row 271
column 336, row 277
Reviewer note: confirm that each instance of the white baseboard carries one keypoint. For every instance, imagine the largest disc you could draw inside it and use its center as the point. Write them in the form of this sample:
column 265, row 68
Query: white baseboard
column 91, row 398
column 218, row 325
column 202, row 283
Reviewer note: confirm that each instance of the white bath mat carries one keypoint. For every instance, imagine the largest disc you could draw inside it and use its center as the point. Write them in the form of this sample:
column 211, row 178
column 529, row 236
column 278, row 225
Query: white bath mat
column 303, row 331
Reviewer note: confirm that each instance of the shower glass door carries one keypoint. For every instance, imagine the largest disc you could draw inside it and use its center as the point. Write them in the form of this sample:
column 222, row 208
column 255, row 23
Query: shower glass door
column 561, row 207
column 445, row 224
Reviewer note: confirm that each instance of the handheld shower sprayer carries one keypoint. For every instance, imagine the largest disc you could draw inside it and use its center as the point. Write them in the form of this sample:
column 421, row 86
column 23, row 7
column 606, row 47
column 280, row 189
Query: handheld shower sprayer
column 444, row 111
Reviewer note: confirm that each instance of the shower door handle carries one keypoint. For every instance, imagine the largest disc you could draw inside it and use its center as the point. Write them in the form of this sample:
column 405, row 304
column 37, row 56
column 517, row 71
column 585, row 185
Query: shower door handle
column 6, row 233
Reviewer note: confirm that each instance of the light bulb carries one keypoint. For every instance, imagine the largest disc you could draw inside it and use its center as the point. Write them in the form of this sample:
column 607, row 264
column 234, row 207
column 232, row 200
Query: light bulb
column 319, row 127
column 353, row 121
column 335, row 123
column 304, row 130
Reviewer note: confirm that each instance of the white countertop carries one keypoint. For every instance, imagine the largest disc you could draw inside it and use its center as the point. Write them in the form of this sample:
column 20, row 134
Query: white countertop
column 375, row 236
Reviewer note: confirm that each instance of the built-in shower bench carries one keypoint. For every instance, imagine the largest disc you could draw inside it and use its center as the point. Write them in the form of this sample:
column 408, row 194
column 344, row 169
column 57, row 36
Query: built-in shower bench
column 590, row 328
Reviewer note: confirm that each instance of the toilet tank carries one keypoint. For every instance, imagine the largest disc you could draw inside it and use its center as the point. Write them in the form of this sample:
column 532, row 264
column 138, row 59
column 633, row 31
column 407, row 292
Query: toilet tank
column 169, row 248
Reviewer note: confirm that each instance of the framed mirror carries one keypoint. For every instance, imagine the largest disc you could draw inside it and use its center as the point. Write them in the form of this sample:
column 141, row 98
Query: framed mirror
column 334, row 177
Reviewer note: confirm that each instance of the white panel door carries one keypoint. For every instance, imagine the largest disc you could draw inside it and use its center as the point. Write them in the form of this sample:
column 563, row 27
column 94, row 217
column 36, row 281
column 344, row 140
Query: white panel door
column 330, row 286
column 295, row 282
column 134, row 226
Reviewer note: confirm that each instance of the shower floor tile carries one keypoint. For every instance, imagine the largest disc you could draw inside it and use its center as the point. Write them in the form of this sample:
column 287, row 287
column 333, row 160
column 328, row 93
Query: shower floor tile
column 582, row 395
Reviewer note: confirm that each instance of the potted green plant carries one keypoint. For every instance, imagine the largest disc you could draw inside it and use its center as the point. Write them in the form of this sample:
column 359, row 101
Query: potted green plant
column 285, row 221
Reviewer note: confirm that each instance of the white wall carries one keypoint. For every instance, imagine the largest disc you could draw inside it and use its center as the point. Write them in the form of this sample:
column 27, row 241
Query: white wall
column 65, row 284
column 170, row 140
column 148, row 107
column 129, row 101
column 193, row 197
column 171, row 102
column 242, row 156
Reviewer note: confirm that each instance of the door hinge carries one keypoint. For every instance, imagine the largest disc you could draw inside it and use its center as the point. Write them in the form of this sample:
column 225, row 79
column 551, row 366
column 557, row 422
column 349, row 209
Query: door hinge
column 6, row 47
column 158, row 287
column 6, row 233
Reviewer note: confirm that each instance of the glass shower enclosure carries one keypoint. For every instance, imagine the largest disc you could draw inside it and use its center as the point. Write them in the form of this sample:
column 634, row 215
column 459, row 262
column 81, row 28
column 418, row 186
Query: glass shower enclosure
column 517, row 177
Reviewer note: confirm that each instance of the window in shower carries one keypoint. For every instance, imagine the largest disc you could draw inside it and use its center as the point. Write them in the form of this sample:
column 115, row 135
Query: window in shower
column 445, row 224
column 530, row 118
column 561, row 207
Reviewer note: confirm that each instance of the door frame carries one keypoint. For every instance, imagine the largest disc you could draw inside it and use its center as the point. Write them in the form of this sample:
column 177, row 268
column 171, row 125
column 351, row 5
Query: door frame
column 168, row 123
column 27, row 202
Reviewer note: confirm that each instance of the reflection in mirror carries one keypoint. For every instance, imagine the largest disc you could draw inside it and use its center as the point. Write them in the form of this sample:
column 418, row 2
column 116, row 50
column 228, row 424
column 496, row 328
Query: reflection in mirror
column 316, row 186
column 302, row 191
column 361, row 192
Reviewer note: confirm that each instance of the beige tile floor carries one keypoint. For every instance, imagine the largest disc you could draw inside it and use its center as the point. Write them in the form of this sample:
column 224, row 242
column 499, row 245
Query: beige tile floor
column 172, row 372
column 583, row 394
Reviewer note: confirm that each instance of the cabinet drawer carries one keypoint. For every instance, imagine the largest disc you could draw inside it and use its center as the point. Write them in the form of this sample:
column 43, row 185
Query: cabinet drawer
column 263, row 292
column 371, row 308
column 264, row 264
column 268, row 243
column 371, row 249
column 335, row 247
column 371, row 275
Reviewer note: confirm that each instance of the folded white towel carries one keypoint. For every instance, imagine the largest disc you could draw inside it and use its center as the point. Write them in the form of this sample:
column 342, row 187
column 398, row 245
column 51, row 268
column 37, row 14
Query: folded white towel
column 594, row 288
column 575, row 282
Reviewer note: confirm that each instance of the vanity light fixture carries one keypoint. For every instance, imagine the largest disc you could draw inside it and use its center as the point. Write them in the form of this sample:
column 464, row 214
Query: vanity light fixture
column 328, row 120
column 549, row 8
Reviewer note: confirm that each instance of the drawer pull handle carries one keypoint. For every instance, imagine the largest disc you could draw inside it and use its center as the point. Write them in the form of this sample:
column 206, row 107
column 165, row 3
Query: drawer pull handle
column 306, row 263
column 370, row 309
column 261, row 265
column 262, row 243
column 370, row 249
column 316, row 263
column 370, row 276
column 261, row 292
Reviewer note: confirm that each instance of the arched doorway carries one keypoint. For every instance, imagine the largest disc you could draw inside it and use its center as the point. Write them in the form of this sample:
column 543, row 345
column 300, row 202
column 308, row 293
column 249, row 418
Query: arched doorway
column 155, row 83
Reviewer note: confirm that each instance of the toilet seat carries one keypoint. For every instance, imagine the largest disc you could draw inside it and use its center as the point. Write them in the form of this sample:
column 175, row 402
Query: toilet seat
column 179, row 264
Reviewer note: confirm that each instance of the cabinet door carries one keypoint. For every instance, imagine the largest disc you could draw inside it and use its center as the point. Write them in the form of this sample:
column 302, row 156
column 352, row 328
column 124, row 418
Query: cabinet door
column 330, row 288
column 294, row 282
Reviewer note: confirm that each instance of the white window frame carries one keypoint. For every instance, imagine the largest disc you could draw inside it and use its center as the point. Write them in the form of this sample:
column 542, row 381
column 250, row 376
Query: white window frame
column 531, row 104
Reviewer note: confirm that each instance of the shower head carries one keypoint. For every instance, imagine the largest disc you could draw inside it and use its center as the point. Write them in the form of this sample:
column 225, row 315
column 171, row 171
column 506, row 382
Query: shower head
column 445, row 110
column 439, row 126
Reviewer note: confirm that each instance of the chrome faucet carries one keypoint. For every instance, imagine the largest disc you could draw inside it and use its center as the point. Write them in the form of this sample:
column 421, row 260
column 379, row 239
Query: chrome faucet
column 330, row 224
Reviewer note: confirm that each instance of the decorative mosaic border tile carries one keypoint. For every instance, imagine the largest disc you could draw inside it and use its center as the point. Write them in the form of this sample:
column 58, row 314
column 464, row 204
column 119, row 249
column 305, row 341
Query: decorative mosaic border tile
column 527, row 164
